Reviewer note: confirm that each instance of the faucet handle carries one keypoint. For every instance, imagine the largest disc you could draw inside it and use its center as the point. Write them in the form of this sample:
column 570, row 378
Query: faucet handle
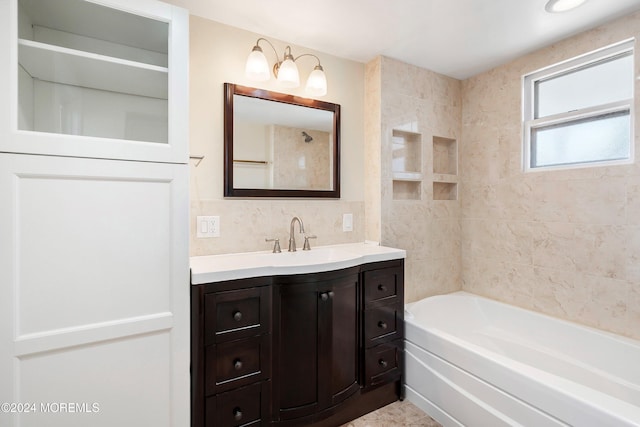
column 276, row 245
column 307, row 246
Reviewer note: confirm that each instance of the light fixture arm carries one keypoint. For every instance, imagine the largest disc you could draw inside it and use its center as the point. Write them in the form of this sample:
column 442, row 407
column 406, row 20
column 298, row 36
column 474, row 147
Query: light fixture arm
column 272, row 47
column 308, row 54
column 287, row 55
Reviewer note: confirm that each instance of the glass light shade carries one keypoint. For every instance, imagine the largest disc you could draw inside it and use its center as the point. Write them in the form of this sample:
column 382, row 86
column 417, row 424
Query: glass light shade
column 288, row 73
column 555, row 6
column 317, row 82
column 257, row 67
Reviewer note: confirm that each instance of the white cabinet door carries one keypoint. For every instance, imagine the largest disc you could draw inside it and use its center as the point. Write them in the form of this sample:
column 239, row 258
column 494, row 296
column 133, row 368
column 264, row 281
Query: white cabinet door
column 94, row 292
column 98, row 79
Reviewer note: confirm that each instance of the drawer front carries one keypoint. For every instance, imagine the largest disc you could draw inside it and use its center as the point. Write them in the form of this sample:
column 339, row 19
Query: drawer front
column 380, row 285
column 237, row 363
column 382, row 324
column 241, row 407
column 236, row 314
column 383, row 363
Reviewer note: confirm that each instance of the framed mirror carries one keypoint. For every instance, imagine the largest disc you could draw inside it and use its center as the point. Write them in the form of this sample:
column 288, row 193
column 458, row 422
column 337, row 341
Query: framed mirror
column 278, row 145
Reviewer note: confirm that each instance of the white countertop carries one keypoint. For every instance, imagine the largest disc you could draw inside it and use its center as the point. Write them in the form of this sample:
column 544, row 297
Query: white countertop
column 216, row 268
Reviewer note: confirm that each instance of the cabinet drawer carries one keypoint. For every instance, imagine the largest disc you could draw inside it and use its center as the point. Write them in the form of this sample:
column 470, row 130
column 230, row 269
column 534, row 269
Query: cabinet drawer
column 236, row 363
column 381, row 284
column 383, row 363
column 236, row 314
column 245, row 406
column 382, row 324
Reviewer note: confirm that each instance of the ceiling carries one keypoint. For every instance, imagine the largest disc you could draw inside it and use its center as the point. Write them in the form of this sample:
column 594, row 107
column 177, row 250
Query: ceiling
column 458, row 38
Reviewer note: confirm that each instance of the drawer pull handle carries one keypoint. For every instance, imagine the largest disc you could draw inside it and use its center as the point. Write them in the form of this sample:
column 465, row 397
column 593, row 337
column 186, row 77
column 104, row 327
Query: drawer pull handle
column 382, row 288
column 237, row 414
column 237, row 316
column 237, row 364
column 382, row 325
column 383, row 363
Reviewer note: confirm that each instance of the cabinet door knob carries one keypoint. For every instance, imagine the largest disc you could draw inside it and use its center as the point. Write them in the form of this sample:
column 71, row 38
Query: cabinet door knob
column 237, row 316
column 382, row 325
column 382, row 288
column 237, row 414
column 330, row 294
column 237, row 364
column 383, row 363
column 324, row 296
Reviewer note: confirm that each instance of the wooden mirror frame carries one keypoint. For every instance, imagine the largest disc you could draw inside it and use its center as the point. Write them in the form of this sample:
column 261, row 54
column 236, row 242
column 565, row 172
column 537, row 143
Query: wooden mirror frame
column 230, row 90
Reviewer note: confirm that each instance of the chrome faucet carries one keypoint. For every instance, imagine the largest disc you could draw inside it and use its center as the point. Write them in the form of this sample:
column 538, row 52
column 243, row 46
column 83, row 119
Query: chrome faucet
column 292, row 239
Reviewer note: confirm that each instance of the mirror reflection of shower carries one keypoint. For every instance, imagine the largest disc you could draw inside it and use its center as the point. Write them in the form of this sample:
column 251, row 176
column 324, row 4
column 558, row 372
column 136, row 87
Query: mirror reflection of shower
column 307, row 138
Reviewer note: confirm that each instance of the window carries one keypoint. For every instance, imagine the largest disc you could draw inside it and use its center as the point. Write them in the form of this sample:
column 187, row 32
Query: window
column 580, row 112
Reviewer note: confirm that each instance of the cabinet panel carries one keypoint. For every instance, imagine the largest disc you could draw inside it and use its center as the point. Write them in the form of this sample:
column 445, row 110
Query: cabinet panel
column 383, row 363
column 317, row 343
column 129, row 379
column 237, row 314
column 245, row 406
column 236, row 363
column 382, row 324
column 380, row 284
column 344, row 327
column 296, row 355
column 93, row 277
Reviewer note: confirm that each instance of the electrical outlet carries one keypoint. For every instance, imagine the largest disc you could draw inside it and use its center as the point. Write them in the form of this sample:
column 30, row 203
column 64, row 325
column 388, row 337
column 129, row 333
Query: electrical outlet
column 208, row 226
column 347, row 222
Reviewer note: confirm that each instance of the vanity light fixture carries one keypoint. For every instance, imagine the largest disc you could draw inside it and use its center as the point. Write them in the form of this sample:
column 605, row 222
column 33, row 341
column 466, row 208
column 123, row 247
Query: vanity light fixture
column 557, row 6
column 285, row 70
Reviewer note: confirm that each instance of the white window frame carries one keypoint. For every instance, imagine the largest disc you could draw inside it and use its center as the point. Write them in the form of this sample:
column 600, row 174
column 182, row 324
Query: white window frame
column 529, row 97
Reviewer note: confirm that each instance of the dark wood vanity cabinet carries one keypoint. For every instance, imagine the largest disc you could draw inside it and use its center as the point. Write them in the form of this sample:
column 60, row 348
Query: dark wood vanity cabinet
column 231, row 353
column 383, row 289
column 314, row 349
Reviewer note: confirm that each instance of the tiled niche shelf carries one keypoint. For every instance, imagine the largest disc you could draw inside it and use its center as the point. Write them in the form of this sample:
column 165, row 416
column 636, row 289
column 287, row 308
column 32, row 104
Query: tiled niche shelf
column 445, row 168
column 406, row 164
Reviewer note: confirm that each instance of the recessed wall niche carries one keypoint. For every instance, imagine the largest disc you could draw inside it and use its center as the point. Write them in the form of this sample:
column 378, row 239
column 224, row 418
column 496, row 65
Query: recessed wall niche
column 445, row 156
column 406, row 164
column 445, row 168
column 407, row 190
column 445, row 191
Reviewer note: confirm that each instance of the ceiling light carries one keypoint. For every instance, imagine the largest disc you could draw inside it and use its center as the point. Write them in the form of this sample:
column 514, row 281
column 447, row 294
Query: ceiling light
column 556, row 6
column 285, row 71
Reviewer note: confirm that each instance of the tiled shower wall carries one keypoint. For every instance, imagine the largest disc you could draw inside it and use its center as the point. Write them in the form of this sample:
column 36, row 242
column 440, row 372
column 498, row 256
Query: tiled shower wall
column 565, row 243
column 409, row 98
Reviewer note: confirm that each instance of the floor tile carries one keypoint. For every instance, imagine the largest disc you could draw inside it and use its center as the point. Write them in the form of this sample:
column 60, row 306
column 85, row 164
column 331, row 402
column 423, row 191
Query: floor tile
column 397, row 414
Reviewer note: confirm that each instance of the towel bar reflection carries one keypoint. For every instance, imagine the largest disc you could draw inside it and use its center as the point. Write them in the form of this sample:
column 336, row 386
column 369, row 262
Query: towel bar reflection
column 255, row 162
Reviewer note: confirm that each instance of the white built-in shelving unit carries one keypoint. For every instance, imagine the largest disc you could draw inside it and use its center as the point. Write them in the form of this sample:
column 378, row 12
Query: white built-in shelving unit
column 94, row 262
column 102, row 71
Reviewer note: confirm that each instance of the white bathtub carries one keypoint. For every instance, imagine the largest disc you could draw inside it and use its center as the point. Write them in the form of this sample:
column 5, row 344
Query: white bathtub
column 472, row 361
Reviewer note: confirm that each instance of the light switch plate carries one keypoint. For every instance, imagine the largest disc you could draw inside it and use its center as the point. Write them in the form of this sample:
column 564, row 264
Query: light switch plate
column 347, row 222
column 207, row 226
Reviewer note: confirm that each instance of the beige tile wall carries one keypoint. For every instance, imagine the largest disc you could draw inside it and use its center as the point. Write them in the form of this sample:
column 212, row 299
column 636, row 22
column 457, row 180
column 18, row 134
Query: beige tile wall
column 402, row 96
column 244, row 224
column 565, row 243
